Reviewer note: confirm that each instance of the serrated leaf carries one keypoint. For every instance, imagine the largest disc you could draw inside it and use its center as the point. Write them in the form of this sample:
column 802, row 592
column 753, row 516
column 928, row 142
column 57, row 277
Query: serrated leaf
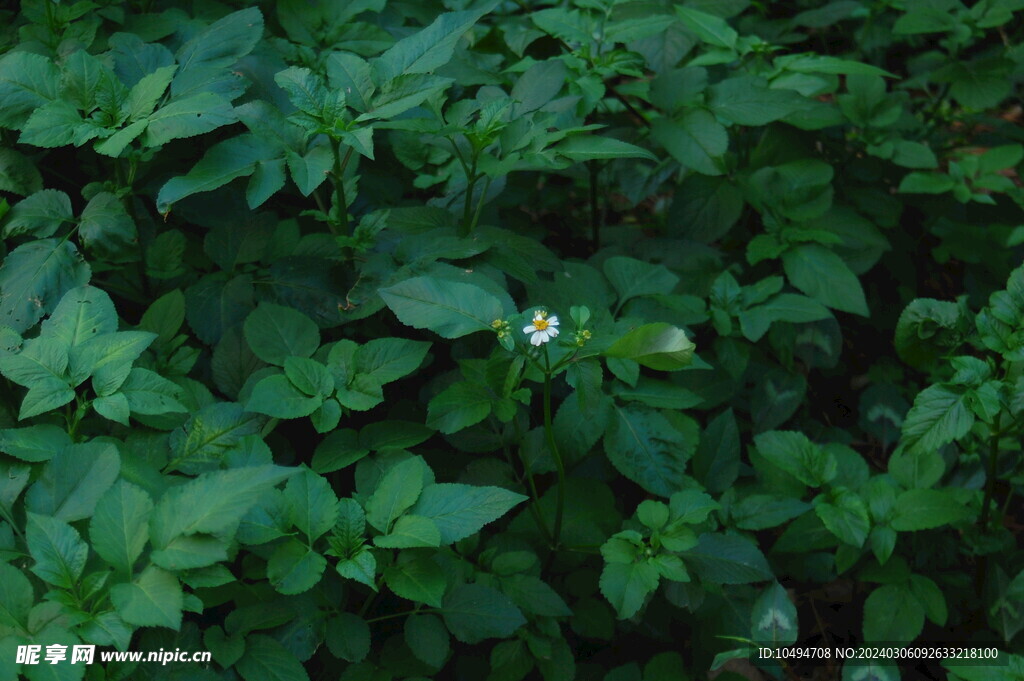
column 450, row 309
column 461, row 510
column 275, row 332
column 119, row 527
column 474, row 613
column 154, row 599
column 58, row 550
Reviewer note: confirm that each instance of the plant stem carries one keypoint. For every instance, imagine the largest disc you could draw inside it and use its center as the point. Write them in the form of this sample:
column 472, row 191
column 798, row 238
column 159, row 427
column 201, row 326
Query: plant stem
column 559, row 464
column 338, row 178
column 467, row 210
column 595, row 222
column 480, row 206
column 990, row 478
column 400, row 614
column 535, row 502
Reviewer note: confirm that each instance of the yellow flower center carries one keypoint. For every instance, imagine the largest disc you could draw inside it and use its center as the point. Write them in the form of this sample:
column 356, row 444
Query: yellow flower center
column 540, row 324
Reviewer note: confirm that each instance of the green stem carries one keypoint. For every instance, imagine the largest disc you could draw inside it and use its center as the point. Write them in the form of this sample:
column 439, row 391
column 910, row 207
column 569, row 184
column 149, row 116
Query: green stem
column 401, row 614
column 468, row 207
column 5, row 513
column 535, row 505
column 338, row 178
column 480, row 205
column 990, row 478
column 595, row 222
column 559, row 464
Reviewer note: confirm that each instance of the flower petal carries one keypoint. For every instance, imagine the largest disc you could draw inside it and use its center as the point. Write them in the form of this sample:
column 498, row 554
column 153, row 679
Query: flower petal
column 552, row 332
column 553, row 321
column 529, row 329
column 538, row 338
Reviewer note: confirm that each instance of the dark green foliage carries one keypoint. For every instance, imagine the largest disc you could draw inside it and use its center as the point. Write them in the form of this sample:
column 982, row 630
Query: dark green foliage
column 280, row 371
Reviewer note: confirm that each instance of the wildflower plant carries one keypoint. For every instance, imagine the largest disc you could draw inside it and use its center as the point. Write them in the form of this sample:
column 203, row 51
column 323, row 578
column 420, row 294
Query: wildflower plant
column 500, row 340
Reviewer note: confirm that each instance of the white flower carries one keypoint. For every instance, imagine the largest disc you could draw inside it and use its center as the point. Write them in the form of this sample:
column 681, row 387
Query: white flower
column 544, row 328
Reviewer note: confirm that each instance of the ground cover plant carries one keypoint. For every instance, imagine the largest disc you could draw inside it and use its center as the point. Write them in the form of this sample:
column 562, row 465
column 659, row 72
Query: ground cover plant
column 588, row 339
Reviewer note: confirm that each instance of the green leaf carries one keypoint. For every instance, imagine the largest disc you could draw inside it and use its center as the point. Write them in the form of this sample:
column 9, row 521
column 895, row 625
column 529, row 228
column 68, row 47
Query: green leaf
column 474, row 613
column 107, row 230
column 716, row 463
column 658, row 346
column 339, row 449
column 209, row 434
column 309, row 94
column 151, row 394
column 418, row 579
column 18, row 175
column 846, row 516
column 387, row 359
column 916, row 467
column 705, row 208
column 348, row 637
column 727, row 559
column 645, row 447
column 223, row 42
column 580, row 148
column 632, row 278
column 33, row 443
column 361, row 567
column 410, row 531
column 821, row 63
column 223, row 162
column 939, row 416
column 34, row 277
column 785, row 307
column 57, row 549
column 824, row 276
column 154, row 599
column 462, row 510
column 311, row 170
column 925, row 509
column 295, row 568
column 188, row 117
column 276, row 333
column 40, row 214
column 83, row 313
column 458, row 406
column 428, row 639
column 794, row 453
column 450, row 309
column 276, row 396
column 119, row 527
column 538, row 85
column 696, row 140
column 926, row 183
column 398, row 490
column 74, row 480
column 312, row 504
column 762, row 511
column 709, row 28
column 627, row 585
column 42, row 366
column 425, row 50
column 774, row 618
column 212, row 503
column 55, row 124
column 16, row 597
column 27, row 81
column 267, row 660
column 309, row 376
column 747, row 100
column 892, row 614
column 145, row 94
